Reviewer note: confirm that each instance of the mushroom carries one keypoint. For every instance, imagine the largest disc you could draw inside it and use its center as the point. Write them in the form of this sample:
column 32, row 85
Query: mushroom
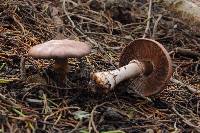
column 60, row 51
column 146, row 62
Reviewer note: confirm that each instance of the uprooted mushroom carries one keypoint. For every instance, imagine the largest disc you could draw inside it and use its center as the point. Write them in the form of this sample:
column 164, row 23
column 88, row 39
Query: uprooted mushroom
column 145, row 61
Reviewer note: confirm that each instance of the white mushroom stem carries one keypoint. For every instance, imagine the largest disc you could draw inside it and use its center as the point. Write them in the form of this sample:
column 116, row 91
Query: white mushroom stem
column 110, row 79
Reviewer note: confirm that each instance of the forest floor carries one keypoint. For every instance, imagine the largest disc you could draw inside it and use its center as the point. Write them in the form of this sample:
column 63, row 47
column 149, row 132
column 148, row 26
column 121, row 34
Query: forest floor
column 196, row 2
column 28, row 91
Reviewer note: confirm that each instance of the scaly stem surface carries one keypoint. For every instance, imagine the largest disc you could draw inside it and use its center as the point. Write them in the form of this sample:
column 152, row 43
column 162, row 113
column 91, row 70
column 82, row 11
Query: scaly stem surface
column 108, row 80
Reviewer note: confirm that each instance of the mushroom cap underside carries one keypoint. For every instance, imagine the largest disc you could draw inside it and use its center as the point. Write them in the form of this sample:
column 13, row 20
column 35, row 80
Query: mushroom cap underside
column 148, row 50
column 60, row 49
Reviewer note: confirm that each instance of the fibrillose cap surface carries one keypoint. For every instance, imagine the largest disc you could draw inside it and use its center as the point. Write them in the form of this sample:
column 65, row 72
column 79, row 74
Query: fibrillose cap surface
column 151, row 51
column 60, row 49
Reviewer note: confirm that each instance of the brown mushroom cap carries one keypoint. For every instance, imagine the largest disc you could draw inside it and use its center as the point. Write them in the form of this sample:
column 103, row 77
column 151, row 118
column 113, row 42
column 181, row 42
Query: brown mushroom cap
column 150, row 51
column 59, row 49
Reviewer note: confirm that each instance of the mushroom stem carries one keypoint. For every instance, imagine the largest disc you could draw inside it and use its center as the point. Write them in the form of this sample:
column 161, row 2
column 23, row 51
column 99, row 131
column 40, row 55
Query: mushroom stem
column 108, row 80
column 61, row 67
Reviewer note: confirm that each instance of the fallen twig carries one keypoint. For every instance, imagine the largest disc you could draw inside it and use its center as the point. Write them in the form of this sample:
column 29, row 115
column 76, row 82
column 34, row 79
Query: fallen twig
column 91, row 122
column 185, row 120
column 7, row 100
column 156, row 26
column 76, row 127
column 148, row 19
column 193, row 90
column 187, row 52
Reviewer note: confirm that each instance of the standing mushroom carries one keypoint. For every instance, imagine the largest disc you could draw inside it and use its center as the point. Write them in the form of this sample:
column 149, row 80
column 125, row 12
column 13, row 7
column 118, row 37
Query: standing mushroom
column 60, row 51
column 146, row 62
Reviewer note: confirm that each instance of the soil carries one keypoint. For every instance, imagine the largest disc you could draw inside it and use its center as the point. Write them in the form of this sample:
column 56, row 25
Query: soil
column 31, row 99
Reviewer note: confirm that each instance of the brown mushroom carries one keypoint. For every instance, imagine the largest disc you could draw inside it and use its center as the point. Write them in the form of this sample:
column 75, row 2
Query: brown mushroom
column 60, row 51
column 146, row 62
